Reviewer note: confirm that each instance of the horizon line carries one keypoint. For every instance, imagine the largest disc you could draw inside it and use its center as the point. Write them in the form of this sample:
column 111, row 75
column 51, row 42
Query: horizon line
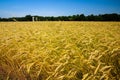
column 62, row 15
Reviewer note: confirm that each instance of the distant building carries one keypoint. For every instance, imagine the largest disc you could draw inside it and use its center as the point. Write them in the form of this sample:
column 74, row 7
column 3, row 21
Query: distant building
column 33, row 18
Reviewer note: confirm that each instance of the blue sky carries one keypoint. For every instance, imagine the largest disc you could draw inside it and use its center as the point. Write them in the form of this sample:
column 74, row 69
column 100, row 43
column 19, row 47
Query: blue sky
column 18, row 8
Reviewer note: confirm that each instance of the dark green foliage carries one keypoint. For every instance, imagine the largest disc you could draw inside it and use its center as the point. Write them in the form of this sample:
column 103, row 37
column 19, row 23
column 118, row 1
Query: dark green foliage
column 81, row 17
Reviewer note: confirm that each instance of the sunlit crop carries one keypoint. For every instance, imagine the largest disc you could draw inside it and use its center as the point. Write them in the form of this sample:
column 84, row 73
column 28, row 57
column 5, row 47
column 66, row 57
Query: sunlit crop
column 59, row 51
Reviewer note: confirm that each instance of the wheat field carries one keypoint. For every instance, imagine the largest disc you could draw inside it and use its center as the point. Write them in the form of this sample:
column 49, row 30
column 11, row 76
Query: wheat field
column 59, row 50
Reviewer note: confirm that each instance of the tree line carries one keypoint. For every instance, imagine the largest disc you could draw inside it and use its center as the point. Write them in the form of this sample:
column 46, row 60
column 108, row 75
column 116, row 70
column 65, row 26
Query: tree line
column 78, row 17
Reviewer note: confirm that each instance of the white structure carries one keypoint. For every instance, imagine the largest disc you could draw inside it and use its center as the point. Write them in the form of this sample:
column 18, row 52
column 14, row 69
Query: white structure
column 33, row 18
column 36, row 19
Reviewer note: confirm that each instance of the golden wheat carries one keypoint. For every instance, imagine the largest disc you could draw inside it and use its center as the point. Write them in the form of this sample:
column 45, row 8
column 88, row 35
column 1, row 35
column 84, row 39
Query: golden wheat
column 59, row 51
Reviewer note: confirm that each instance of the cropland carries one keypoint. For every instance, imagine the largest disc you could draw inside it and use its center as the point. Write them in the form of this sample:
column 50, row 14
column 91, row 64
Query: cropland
column 59, row 50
